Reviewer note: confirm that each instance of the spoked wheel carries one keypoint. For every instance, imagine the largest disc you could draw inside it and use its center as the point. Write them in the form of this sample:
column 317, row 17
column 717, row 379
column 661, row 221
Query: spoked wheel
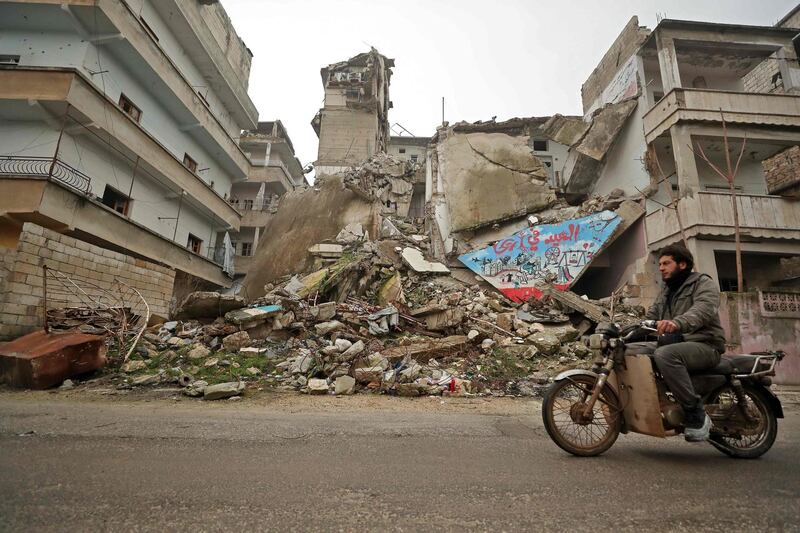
column 734, row 434
column 563, row 413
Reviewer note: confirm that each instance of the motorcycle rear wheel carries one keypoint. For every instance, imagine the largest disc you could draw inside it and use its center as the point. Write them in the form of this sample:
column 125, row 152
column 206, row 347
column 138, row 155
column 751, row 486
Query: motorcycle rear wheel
column 746, row 446
column 562, row 419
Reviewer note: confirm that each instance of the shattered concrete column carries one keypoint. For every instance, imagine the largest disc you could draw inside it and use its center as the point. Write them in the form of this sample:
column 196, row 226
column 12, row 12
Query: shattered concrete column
column 668, row 62
column 685, row 162
column 255, row 240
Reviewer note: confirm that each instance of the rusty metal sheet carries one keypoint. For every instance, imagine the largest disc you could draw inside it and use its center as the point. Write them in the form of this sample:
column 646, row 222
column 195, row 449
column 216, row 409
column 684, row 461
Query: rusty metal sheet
column 40, row 360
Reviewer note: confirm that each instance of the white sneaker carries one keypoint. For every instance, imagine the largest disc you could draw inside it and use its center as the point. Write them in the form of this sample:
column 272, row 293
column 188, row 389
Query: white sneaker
column 698, row 434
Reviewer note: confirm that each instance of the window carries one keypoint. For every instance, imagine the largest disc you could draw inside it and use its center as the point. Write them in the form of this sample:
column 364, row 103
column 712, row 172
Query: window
column 402, row 150
column 247, row 249
column 189, row 163
column 134, row 112
column 116, row 200
column 352, row 94
column 247, row 205
column 195, row 244
column 540, row 146
column 657, row 95
column 414, row 158
column 148, row 28
column 9, row 59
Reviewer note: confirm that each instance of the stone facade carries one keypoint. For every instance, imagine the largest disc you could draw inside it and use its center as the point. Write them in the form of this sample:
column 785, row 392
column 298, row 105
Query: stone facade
column 764, row 78
column 21, row 284
column 782, row 172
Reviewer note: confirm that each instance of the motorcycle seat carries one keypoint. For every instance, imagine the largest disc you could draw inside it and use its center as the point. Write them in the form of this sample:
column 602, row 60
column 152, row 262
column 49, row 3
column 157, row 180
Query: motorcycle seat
column 734, row 364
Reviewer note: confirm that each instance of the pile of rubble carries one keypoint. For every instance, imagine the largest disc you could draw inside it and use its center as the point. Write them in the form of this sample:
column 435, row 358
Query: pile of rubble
column 373, row 313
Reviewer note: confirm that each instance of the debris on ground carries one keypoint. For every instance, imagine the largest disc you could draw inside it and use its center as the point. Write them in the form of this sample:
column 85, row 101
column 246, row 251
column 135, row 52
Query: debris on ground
column 372, row 310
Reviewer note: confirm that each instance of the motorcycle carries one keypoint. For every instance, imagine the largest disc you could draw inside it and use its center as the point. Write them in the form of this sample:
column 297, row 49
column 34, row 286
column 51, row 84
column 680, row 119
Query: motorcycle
column 584, row 411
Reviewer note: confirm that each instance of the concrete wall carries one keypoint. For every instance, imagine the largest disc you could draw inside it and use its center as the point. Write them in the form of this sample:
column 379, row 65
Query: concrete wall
column 748, row 329
column 347, row 136
column 22, row 293
column 625, row 45
column 624, row 168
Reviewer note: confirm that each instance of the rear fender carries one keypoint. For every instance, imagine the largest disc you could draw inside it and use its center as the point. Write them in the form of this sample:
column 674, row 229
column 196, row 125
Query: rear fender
column 773, row 400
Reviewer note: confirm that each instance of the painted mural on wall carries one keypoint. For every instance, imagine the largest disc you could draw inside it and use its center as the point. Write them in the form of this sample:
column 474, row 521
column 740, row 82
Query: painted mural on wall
column 552, row 253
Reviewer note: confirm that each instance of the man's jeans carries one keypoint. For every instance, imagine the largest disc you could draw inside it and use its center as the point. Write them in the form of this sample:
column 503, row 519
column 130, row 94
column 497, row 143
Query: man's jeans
column 675, row 361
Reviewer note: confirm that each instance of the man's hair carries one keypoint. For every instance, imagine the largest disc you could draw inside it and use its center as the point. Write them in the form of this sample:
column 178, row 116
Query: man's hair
column 679, row 253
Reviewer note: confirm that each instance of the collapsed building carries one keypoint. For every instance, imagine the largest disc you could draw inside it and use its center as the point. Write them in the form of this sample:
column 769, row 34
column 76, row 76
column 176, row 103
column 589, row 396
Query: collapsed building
column 353, row 123
column 477, row 265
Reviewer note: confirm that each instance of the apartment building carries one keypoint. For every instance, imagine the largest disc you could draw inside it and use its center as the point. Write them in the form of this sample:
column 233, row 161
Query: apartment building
column 684, row 78
column 275, row 171
column 119, row 122
column 353, row 123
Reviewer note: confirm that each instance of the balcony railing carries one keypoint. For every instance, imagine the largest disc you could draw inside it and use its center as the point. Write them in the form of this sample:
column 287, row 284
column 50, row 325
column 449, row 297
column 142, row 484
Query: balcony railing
column 682, row 104
column 711, row 213
column 45, row 167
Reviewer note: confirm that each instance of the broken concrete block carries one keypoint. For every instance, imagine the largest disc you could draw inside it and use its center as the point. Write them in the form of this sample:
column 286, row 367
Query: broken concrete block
column 146, row 379
column 198, row 352
column 342, row 345
column 547, row 343
column 344, row 385
column 318, row 386
column 235, row 342
column 565, row 333
column 253, row 371
column 195, row 388
column 328, row 351
column 252, row 315
column 442, row 320
column 351, row 233
column 352, row 351
column 389, row 230
column 327, row 327
column 134, row 366
column 204, row 304
column 211, row 361
column 330, row 251
column 322, row 312
column 223, row 390
column 505, row 321
column 369, row 374
column 426, row 350
column 414, row 259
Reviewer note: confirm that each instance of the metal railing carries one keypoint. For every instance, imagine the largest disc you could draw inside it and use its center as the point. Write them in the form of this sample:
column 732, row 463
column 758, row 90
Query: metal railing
column 45, row 167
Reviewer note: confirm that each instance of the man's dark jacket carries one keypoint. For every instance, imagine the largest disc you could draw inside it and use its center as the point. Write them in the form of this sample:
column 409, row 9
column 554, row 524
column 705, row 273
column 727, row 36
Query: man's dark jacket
column 694, row 307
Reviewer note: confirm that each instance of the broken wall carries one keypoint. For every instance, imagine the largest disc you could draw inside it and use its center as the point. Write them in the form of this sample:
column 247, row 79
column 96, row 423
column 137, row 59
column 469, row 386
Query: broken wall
column 304, row 218
column 613, row 64
column 782, row 172
column 489, row 177
column 21, row 299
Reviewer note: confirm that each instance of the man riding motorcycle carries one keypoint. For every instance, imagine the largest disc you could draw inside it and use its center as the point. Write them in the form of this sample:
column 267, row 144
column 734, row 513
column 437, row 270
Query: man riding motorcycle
column 691, row 338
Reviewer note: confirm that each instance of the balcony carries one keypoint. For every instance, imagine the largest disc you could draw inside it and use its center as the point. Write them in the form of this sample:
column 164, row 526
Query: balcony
column 762, row 109
column 710, row 214
column 46, row 167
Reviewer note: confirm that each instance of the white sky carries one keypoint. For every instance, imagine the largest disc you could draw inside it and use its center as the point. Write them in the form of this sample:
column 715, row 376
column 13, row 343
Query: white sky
column 509, row 58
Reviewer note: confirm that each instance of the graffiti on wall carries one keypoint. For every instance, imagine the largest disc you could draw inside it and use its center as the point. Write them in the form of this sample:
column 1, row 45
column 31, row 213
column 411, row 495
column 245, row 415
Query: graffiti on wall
column 550, row 253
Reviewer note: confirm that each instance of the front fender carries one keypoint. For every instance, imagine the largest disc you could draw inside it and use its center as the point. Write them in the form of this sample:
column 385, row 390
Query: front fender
column 575, row 372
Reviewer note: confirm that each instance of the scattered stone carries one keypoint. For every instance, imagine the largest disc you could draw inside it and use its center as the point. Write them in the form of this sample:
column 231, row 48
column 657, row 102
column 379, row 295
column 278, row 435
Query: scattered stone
column 147, row 379
column 253, row 371
column 67, row 385
column 134, row 366
column 414, row 259
column 223, row 390
column 327, row 327
column 212, row 361
column 547, row 343
column 344, row 385
column 198, row 352
column 236, row 341
column 342, row 344
column 208, row 305
column 195, row 388
column 473, row 334
column 318, row 386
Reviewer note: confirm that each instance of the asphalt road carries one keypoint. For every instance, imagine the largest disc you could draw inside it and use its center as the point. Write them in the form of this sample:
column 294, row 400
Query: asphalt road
column 145, row 466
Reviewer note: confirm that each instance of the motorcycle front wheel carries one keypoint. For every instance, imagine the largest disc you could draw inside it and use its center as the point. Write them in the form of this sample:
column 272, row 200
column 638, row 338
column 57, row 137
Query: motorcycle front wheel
column 565, row 422
column 733, row 439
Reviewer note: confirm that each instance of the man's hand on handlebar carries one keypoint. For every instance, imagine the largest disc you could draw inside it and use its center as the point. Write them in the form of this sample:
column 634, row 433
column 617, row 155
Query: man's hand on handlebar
column 666, row 326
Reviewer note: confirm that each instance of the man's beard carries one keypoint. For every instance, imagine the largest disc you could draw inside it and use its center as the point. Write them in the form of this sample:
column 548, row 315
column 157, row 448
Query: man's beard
column 677, row 278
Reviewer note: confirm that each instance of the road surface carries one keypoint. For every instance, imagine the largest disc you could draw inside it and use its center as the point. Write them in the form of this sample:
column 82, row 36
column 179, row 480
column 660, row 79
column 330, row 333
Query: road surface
column 318, row 464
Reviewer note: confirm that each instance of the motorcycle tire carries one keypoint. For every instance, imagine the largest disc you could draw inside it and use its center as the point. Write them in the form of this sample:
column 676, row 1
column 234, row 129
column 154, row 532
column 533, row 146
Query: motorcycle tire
column 606, row 407
column 749, row 449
